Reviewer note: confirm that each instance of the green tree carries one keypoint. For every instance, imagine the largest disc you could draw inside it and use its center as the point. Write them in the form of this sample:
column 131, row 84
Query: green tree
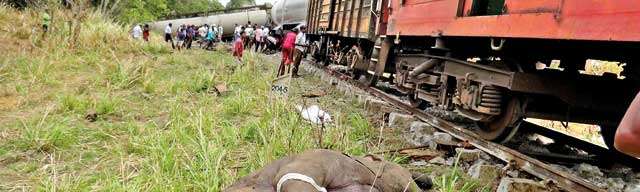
column 148, row 10
column 190, row 6
column 140, row 10
column 240, row 3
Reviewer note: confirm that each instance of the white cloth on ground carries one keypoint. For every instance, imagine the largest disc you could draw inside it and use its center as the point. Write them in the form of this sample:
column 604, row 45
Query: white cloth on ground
column 314, row 114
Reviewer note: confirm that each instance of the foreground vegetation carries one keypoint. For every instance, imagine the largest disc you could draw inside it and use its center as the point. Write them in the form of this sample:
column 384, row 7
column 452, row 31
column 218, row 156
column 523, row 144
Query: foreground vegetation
column 109, row 113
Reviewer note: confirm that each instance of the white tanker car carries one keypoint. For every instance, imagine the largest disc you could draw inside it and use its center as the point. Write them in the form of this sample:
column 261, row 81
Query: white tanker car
column 289, row 13
column 284, row 12
column 227, row 20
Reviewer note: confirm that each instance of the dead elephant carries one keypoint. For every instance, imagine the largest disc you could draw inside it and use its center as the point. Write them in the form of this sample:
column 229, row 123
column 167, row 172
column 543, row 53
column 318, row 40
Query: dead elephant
column 327, row 171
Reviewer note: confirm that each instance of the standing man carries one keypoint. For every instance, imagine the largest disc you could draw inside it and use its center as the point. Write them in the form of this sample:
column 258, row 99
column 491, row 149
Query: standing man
column 248, row 36
column 238, row 46
column 191, row 33
column 258, row 38
column 298, row 52
column 236, row 32
column 145, row 32
column 167, row 35
column 220, row 32
column 202, row 31
column 182, row 36
column 214, row 28
column 288, row 45
column 265, row 35
column 209, row 39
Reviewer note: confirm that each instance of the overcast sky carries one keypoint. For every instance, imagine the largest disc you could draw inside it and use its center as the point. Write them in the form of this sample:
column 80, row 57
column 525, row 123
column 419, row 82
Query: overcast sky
column 258, row 2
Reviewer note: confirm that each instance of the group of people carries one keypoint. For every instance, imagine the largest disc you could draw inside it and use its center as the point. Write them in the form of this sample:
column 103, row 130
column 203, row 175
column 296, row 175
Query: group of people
column 140, row 32
column 293, row 43
column 249, row 37
column 207, row 35
column 187, row 34
column 210, row 35
column 294, row 46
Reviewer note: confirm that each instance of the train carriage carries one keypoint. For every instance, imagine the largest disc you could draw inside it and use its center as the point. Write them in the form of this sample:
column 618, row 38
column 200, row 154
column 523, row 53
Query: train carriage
column 493, row 61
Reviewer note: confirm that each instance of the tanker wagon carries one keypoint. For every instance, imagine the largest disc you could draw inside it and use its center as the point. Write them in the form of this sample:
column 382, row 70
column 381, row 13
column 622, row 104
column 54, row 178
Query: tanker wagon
column 227, row 20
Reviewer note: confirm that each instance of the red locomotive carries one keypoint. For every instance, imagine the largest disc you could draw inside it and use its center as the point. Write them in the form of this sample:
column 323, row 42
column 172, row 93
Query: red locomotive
column 493, row 61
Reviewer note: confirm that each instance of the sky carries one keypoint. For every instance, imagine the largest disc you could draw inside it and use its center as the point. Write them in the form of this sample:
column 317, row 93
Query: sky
column 258, row 2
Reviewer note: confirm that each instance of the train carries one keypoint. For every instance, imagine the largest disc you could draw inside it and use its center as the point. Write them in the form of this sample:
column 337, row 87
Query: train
column 260, row 15
column 287, row 14
column 284, row 14
column 496, row 62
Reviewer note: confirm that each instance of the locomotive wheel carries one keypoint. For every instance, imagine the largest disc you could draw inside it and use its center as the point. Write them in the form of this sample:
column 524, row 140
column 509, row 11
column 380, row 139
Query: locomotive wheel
column 502, row 128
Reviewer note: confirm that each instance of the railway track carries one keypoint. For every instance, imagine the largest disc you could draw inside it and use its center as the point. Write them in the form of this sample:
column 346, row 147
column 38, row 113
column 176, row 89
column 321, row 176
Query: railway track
column 553, row 177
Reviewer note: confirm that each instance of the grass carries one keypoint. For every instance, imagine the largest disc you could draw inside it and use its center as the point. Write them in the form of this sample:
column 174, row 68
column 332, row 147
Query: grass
column 454, row 180
column 158, row 127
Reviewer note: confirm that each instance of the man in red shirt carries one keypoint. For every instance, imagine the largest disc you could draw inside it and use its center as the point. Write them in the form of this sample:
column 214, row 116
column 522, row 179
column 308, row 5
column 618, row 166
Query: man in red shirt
column 145, row 32
column 287, row 51
column 627, row 138
column 238, row 46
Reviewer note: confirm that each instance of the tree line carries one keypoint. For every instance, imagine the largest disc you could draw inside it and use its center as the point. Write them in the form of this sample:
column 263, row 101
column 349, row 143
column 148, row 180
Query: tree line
column 131, row 11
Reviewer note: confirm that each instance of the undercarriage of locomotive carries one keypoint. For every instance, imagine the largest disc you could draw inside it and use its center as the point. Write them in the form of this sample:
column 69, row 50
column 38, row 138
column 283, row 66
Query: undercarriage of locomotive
column 498, row 93
column 495, row 84
column 434, row 78
column 497, row 87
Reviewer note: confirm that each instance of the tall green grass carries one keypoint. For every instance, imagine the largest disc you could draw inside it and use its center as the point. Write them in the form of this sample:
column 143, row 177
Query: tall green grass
column 158, row 125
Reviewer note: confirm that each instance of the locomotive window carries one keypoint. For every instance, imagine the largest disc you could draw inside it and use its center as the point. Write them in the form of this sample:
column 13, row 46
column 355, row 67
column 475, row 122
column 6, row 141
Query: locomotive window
column 487, row 7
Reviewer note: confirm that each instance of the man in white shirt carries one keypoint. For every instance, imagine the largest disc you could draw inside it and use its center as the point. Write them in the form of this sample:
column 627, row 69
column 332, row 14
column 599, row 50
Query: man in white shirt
column 220, row 32
column 236, row 32
column 265, row 35
column 136, row 32
column 265, row 31
column 249, row 38
column 258, row 38
column 167, row 35
column 298, row 52
column 202, row 31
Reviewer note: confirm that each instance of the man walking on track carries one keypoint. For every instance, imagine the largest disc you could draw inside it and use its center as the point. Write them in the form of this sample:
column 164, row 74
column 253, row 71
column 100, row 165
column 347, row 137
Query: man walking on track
column 298, row 52
column 287, row 51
